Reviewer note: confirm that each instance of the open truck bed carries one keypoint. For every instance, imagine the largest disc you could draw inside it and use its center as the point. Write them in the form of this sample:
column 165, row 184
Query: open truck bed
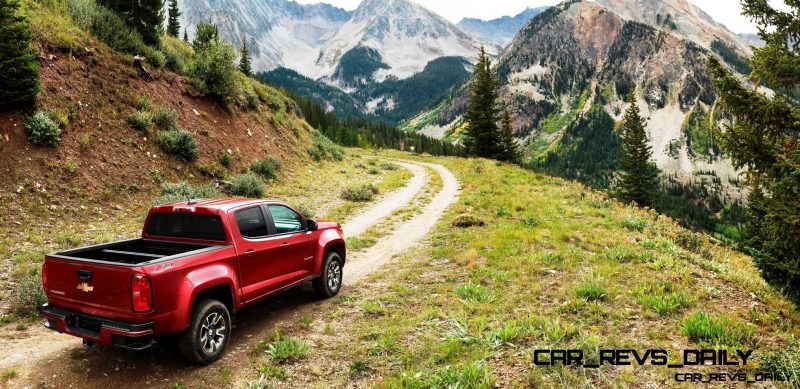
column 134, row 252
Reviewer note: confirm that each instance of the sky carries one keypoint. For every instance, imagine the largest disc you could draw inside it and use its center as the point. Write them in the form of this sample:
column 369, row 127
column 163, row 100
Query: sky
column 727, row 12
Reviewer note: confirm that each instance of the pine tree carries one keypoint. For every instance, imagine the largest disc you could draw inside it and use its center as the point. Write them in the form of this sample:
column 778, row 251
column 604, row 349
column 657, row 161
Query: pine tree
column 482, row 138
column 19, row 68
column 639, row 177
column 146, row 16
column 763, row 141
column 149, row 18
column 508, row 144
column 206, row 34
column 185, row 36
column 173, row 25
column 244, row 62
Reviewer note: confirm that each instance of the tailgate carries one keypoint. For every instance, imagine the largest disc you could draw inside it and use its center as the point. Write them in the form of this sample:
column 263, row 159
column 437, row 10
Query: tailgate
column 91, row 288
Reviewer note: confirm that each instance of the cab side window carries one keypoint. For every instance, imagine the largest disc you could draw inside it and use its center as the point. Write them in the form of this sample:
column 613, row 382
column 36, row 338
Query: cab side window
column 251, row 223
column 286, row 221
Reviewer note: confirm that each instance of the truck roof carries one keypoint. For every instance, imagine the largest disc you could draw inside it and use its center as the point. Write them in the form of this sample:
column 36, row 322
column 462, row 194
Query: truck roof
column 220, row 204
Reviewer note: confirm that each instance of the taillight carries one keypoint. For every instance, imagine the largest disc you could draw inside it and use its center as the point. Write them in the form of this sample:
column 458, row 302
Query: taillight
column 44, row 278
column 142, row 294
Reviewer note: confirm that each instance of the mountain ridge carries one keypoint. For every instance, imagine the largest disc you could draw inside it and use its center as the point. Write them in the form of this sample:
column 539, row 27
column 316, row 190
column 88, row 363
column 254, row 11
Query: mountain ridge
column 499, row 31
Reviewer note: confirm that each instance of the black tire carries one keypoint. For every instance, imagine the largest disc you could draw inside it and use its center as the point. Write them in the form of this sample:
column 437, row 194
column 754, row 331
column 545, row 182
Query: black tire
column 329, row 282
column 195, row 343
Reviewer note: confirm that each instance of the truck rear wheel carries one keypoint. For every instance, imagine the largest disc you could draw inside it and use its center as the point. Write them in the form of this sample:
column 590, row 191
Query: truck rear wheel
column 330, row 281
column 207, row 337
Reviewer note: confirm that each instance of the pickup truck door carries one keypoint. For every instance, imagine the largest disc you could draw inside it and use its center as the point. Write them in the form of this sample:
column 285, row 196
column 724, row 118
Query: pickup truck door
column 298, row 244
column 259, row 254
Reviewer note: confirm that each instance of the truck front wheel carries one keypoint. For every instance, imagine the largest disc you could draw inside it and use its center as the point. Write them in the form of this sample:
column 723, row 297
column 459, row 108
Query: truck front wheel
column 207, row 337
column 330, row 281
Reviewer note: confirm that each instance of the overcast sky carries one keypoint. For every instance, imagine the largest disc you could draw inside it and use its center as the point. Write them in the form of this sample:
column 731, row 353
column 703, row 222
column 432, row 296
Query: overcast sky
column 727, row 12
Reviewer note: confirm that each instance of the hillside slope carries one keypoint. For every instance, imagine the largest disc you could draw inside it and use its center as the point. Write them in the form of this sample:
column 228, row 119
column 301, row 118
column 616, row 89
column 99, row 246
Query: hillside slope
column 104, row 170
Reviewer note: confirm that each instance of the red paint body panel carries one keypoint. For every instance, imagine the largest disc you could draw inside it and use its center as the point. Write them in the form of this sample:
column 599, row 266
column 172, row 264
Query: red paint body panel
column 250, row 269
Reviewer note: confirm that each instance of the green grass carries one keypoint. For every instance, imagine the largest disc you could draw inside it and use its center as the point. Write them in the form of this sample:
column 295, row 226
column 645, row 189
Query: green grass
column 663, row 298
column 473, row 293
column 8, row 374
column 586, row 273
column 717, row 331
column 286, row 350
column 592, row 289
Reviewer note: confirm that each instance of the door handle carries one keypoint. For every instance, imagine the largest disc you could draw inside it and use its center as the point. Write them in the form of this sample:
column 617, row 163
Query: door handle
column 249, row 253
column 285, row 245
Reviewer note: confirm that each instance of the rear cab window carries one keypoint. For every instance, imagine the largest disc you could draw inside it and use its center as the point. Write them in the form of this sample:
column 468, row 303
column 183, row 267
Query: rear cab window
column 251, row 223
column 186, row 226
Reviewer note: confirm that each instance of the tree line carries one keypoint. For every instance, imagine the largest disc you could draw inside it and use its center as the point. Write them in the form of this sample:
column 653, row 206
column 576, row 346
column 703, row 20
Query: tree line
column 367, row 132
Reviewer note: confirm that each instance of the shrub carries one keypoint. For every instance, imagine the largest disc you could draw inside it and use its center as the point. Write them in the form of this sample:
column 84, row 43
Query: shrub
column 212, row 169
column 323, row 148
column 389, row 166
column 247, row 185
column 636, row 223
column 143, row 103
column 285, row 350
column 267, row 167
column 225, row 159
column 141, row 120
column 468, row 220
column 689, row 240
column 172, row 60
column 214, row 72
column 27, row 296
column 786, row 362
column 709, row 331
column 179, row 143
column 177, row 53
column 166, row 118
column 251, row 100
column 182, row 191
column 154, row 57
column 42, row 130
column 360, row 193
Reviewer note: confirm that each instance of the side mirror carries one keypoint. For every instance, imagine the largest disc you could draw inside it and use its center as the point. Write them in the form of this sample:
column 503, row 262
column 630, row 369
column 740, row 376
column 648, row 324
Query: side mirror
column 311, row 225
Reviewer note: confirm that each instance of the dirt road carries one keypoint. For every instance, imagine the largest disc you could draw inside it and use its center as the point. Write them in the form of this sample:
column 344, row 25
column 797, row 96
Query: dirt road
column 47, row 359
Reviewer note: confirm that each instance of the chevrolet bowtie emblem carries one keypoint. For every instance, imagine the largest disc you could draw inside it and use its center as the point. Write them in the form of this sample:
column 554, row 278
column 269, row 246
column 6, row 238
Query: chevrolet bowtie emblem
column 85, row 287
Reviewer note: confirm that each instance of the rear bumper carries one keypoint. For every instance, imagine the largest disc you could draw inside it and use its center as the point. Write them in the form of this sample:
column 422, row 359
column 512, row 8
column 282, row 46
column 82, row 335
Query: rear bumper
column 133, row 336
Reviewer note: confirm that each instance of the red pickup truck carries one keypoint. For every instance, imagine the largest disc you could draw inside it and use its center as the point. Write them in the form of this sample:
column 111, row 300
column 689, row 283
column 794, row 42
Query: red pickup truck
column 196, row 264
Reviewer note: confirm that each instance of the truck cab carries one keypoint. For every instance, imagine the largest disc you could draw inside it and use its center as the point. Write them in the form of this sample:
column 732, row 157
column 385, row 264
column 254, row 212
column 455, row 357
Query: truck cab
column 195, row 265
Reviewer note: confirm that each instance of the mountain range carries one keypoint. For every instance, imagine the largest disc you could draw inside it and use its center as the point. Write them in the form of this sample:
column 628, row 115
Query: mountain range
column 313, row 39
column 563, row 69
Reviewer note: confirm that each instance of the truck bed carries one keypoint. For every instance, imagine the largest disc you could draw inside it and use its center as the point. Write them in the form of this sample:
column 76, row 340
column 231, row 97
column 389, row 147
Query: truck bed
column 134, row 252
